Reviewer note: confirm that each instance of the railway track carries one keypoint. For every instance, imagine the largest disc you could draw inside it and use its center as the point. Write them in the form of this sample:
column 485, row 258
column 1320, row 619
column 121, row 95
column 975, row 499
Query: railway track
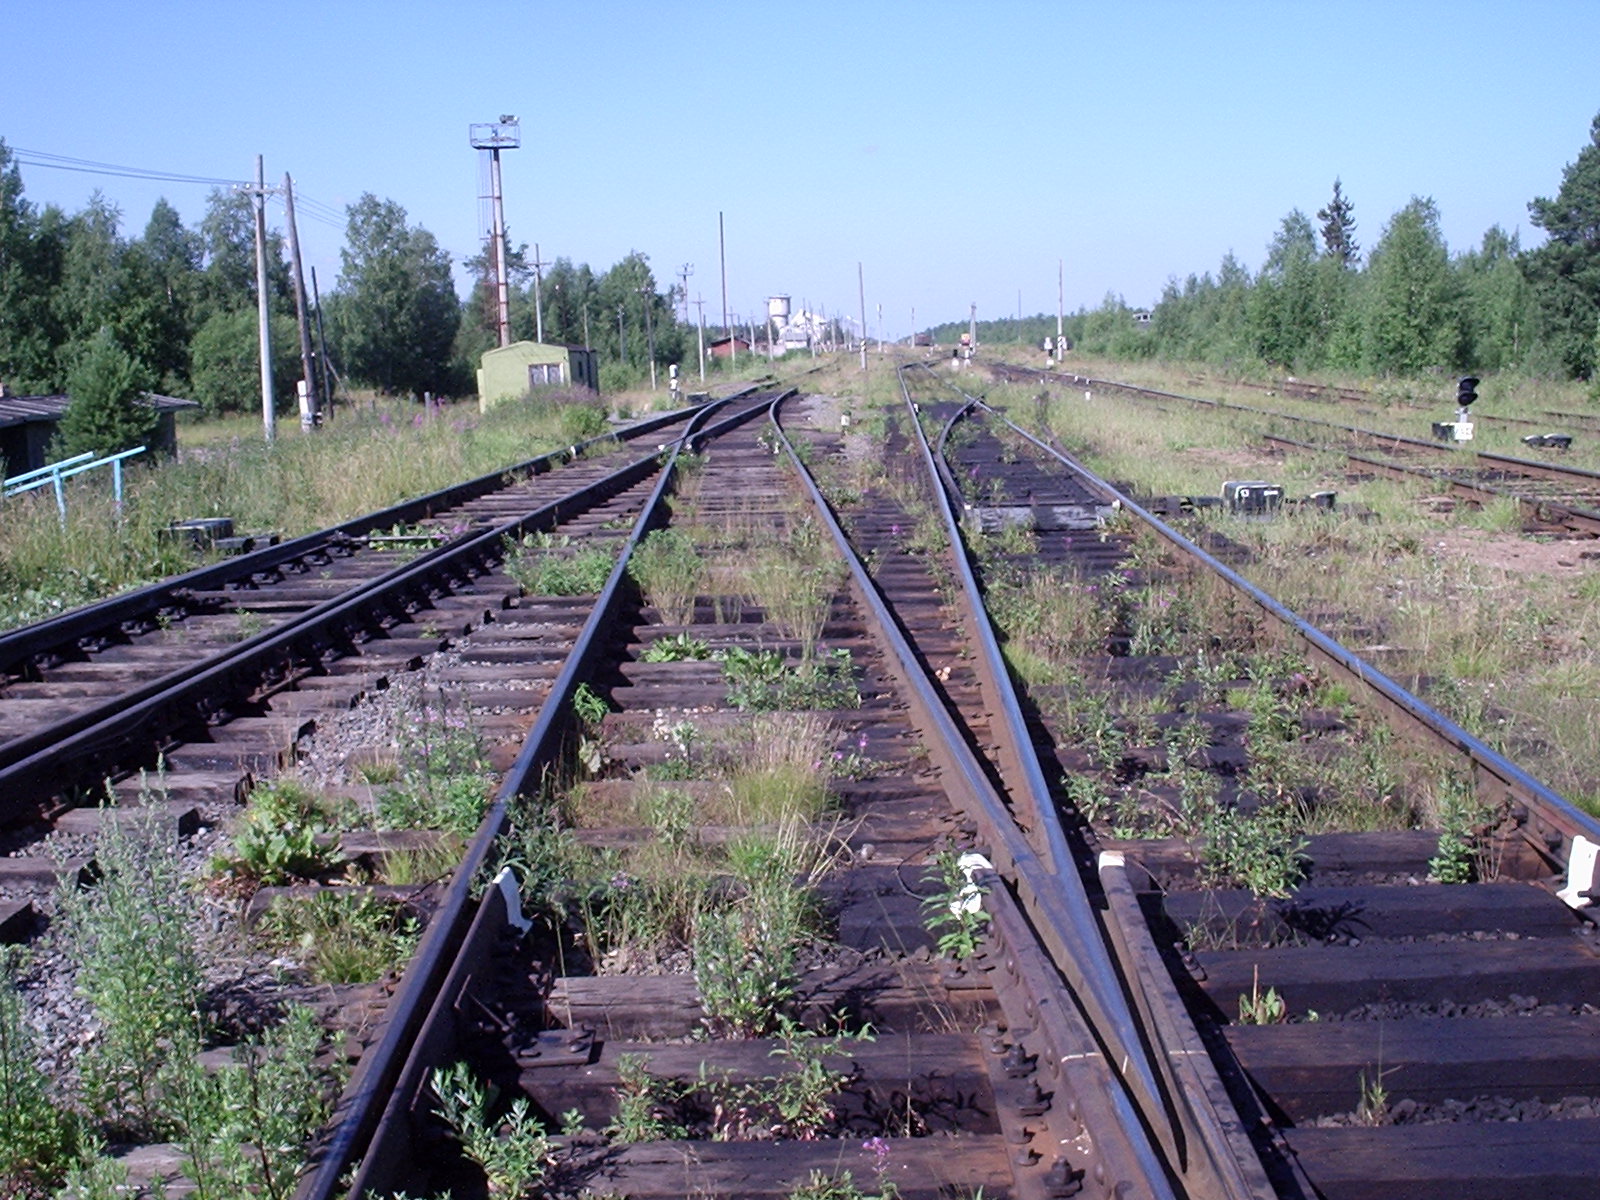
column 785, row 892
column 1380, row 1022
column 977, row 1071
column 1550, row 496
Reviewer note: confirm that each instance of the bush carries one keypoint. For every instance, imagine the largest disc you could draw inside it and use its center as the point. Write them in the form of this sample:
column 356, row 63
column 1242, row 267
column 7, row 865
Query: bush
column 225, row 360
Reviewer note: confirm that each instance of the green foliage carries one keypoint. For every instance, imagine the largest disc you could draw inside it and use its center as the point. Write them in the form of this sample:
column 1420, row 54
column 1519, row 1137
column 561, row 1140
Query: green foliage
column 225, row 362
column 512, row 1149
column 794, row 1103
column 679, row 647
column 1262, row 1008
column 343, row 936
column 1565, row 271
column 1463, row 820
column 105, row 416
column 670, row 570
column 39, row 1138
column 395, row 314
column 746, row 952
column 955, row 913
column 1414, row 318
column 1261, row 851
column 823, row 1186
column 544, row 565
column 131, row 935
column 276, row 840
column 445, row 778
column 765, row 681
column 246, row 1126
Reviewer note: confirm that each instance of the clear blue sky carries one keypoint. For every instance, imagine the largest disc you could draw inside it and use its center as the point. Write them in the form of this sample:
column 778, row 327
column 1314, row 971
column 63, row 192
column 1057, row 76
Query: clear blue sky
column 957, row 150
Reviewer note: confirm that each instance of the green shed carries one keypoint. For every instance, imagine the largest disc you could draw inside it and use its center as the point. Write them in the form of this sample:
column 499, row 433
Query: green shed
column 508, row 372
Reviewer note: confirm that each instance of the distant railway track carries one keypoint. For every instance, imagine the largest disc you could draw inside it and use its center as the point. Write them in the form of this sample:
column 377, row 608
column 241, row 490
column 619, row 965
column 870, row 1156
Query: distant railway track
column 1549, row 495
column 1420, row 1078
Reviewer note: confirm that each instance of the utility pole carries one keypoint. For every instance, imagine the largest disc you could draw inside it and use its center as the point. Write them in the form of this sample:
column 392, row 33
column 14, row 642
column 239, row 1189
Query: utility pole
column 1061, row 299
column 647, row 294
column 880, row 329
column 538, row 301
column 700, row 303
column 504, row 134
column 622, row 337
column 312, row 416
column 322, row 343
column 722, row 255
column 683, row 275
column 269, row 415
column 861, row 285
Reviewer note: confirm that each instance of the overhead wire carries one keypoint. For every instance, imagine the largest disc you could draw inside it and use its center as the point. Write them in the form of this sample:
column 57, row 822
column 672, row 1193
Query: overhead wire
column 63, row 162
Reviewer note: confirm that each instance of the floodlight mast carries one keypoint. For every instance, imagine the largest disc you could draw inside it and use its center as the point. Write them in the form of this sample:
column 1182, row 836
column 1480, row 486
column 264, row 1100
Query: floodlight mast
column 504, row 134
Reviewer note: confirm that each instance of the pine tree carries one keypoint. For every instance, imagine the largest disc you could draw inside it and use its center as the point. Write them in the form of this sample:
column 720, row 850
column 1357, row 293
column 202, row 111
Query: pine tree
column 105, row 383
column 1565, row 271
column 1339, row 228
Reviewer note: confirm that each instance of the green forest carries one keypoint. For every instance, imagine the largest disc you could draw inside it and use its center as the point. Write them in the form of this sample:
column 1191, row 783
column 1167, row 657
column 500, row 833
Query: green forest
column 85, row 307
column 173, row 310
column 1405, row 306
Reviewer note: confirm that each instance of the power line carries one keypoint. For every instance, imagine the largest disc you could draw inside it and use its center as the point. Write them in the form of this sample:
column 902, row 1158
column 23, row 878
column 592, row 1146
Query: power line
column 62, row 162
column 328, row 214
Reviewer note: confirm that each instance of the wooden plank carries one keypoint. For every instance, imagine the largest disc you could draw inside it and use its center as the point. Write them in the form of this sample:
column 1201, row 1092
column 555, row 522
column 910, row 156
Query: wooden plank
column 1492, row 1160
column 1403, row 852
column 183, row 814
column 923, row 1168
column 944, row 1078
column 890, row 996
column 1338, row 978
column 17, row 921
column 1316, row 1069
column 1373, row 911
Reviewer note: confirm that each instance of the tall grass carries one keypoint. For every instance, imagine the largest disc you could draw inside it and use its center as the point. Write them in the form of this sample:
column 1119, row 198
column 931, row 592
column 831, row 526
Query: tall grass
column 369, row 459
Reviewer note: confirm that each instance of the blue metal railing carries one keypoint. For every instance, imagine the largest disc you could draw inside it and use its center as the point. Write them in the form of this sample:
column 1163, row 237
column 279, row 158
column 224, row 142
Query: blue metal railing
column 55, row 473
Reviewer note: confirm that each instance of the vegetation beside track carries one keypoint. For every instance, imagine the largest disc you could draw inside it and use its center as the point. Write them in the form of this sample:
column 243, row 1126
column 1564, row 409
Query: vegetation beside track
column 370, row 458
column 1511, row 655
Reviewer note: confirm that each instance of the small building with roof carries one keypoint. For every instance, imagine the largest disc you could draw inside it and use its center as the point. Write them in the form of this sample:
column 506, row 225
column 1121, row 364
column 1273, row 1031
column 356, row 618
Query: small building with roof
column 27, row 423
column 509, row 372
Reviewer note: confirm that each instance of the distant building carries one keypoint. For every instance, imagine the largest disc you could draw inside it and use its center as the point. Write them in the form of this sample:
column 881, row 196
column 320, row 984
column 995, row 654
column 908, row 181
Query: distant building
column 27, row 423
column 509, row 372
column 725, row 347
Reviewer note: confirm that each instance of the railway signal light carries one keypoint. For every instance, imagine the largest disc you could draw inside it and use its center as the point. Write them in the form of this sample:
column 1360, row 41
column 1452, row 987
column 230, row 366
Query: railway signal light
column 1466, row 391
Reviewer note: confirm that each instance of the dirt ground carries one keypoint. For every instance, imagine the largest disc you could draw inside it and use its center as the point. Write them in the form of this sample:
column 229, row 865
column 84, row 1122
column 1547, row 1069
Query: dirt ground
column 1519, row 554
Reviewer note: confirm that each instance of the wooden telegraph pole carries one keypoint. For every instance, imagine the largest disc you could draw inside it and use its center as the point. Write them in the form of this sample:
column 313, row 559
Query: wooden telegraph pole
column 311, row 416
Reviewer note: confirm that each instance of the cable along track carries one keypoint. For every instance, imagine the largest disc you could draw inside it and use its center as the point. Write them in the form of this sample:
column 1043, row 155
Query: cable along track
column 689, row 1023
column 1398, row 1036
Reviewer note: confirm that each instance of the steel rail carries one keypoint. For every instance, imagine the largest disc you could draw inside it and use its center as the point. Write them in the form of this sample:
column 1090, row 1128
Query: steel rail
column 375, row 1100
column 1548, row 820
column 88, row 744
column 1050, row 892
column 1553, row 512
column 18, row 646
column 1209, row 1144
column 1580, row 519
